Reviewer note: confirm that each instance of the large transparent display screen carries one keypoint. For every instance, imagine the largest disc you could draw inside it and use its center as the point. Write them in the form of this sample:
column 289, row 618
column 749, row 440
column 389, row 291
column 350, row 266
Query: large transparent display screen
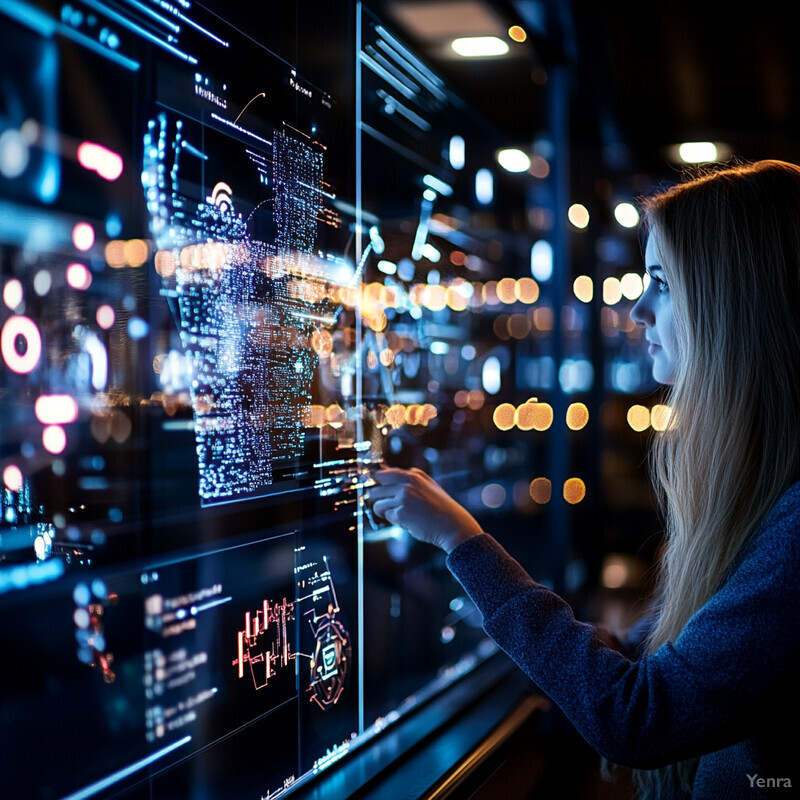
column 237, row 275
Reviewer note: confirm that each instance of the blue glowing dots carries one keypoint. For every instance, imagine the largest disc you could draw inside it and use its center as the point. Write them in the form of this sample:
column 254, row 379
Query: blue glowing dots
column 457, row 152
column 491, row 375
column 484, row 186
column 542, row 260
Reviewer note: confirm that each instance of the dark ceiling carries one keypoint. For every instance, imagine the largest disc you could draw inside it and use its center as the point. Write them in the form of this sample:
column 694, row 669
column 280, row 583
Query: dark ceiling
column 641, row 77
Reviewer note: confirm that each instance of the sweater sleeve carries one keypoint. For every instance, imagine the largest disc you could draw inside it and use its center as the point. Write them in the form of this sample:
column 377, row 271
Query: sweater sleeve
column 690, row 697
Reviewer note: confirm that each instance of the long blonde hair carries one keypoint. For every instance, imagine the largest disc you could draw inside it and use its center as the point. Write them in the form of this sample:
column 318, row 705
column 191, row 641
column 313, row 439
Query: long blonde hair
column 730, row 250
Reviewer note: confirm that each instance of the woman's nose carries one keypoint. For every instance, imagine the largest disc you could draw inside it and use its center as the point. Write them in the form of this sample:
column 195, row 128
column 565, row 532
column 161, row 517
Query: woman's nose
column 641, row 312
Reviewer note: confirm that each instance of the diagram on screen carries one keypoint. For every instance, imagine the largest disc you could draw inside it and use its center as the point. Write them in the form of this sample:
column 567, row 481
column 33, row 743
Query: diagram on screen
column 263, row 646
column 247, row 310
column 329, row 660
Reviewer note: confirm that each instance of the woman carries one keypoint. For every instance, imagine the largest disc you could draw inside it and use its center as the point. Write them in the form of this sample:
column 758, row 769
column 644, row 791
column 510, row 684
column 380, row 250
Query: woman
column 698, row 707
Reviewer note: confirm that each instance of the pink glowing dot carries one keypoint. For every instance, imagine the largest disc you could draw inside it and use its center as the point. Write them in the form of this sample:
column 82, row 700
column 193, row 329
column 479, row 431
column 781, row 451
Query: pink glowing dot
column 79, row 277
column 106, row 163
column 83, row 236
column 24, row 328
column 12, row 293
column 54, row 439
column 105, row 317
column 12, row 478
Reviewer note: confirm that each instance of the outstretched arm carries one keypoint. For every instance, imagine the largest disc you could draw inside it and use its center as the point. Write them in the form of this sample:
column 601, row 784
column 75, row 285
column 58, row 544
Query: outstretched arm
column 696, row 695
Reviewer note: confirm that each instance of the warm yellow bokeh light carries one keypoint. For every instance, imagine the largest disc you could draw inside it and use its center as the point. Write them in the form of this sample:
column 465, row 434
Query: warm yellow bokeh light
column 578, row 215
column 577, row 416
column 507, row 290
column 540, row 490
column 503, row 416
column 517, row 33
column 534, row 416
column 543, row 318
column 136, row 252
column 639, row 417
column 527, row 290
column 660, row 416
column 519, row 326
column 583, row 287
column 612, row 291
column 574, row 490
column 114, row 253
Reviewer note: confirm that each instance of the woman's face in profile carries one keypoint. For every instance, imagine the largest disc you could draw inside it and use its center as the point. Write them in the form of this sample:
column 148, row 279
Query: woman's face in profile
column 654, row 311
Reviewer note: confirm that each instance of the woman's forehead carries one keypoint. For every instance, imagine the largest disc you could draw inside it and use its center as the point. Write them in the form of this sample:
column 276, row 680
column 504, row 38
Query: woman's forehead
column 652, row 253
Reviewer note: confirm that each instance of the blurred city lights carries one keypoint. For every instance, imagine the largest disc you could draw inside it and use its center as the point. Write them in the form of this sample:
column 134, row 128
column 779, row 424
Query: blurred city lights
column 583, row 288
column 626, row 215
column 542, row 260
column 479, row 46
column 484, row 186
column 457, row 154
column 612, row 291
column 631, row 285
column 12, row 293
column 83, row 236
column 24, row 328
column 512, row 159
column 639, row 417
column 697, row 152
column 574, row 490
column 578, row 215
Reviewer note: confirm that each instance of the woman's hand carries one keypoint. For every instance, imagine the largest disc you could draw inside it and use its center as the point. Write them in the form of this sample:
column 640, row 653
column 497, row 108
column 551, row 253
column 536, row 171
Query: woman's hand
column 413, row 500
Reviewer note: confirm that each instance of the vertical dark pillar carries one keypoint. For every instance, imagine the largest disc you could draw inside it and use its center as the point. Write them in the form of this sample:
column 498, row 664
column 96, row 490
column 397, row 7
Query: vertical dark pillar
column 558, row 534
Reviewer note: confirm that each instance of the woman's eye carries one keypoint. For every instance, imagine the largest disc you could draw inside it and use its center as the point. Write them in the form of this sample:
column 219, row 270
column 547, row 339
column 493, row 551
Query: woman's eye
column 660, row 284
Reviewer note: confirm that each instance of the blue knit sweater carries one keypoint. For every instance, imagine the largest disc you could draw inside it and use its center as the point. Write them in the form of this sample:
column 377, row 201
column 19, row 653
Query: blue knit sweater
column 726, row 690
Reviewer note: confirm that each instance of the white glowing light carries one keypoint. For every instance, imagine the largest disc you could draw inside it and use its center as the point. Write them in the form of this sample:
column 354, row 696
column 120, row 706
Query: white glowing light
column 79, row 277
column 479, row 46
column 697, row 152
column 56, row 409
column 631, row 285
column 54, row 439
column 512, row 159
column 25, row 328
column 83, row 236
column 105, row 317
column 12, row 293
column 457, row 153
column 578, row 215
column 542, row 260
column 626, row 214
column 484, row 186
column 12, row 478
column 583, row 288
column 612, row 291
column 491, row 375
column 430, row 252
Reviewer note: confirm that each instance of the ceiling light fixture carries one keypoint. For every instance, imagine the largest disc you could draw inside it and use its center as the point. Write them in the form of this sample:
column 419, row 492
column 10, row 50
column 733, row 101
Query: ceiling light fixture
column 479, row 47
